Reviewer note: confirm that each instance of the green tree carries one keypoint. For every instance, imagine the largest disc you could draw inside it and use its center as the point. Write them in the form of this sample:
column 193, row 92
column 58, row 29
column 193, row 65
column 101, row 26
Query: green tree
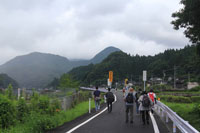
column 9, row 91
column 188, row 17
column 67, row 82
column 22, row 109
column 7, row 112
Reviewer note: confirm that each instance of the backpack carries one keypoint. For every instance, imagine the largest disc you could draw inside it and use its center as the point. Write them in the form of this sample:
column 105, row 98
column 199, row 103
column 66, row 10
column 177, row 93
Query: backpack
column 151, row 95
column 129, row 98
column 145, row 101
column 110, row 97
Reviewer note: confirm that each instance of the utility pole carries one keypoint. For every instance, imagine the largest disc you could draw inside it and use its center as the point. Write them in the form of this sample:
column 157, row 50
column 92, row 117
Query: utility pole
column 188, row 76
column 163, row 76
column 131, row 79
column 174, row 77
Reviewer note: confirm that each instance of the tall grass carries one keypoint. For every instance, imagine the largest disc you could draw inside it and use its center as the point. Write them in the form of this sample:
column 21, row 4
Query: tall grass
column 186, row 111
column 39, row 123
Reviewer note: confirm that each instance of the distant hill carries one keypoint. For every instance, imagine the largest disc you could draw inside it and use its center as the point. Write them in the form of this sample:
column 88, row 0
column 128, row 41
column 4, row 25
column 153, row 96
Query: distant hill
column 39, row 69
column 103, row 54
column 36, row 69
column 5, row 80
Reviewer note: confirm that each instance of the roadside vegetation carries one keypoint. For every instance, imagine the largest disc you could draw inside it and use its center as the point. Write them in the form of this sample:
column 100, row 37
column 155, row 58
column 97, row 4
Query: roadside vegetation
column 187, row 107
column 39, row 113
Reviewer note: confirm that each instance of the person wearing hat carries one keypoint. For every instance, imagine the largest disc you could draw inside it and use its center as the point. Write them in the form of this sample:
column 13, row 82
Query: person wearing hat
column 129, row 101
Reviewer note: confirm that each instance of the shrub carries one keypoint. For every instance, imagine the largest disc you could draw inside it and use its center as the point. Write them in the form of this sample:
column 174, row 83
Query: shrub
column 195, row 99
column 7, row 112
column 44, row 104
column 195, row 89
column 176, row 99
column 160, row 87
column 70, row 93
column 55, row 106
column 22, row 109
column 196, row 109
column 9, row 92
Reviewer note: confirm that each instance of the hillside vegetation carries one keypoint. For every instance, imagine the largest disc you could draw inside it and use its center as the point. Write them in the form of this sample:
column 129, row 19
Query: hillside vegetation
column 5, row 80
column 126, row 66
column 36, row 70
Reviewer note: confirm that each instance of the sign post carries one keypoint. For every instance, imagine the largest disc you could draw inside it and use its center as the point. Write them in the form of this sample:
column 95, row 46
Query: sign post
column 110, row 78
column 144, row 77
column 109, row 83
column 18, row 93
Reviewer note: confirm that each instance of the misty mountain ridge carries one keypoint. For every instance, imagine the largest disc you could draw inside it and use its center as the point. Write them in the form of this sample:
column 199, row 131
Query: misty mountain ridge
column 38, row 69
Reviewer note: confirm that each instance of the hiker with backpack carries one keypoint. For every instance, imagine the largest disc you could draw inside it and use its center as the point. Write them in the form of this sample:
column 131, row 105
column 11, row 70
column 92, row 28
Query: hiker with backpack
column 109, row 99
column 97, row 98
column 129, row 99
column 152, row 96
column 145, row 106
column 137, row 95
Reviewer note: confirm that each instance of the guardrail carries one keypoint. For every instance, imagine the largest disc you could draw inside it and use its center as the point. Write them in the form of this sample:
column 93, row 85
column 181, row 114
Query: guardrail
column 182, row 125
column 93, row 89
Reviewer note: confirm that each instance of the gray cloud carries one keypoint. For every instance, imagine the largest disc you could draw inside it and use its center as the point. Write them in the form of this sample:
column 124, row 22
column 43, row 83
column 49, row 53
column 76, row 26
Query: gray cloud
column 81, row 28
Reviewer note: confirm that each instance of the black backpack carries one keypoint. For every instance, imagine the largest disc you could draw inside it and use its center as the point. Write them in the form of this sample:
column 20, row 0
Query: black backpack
column 145, row 101
column 129, row 98
column 110, row 97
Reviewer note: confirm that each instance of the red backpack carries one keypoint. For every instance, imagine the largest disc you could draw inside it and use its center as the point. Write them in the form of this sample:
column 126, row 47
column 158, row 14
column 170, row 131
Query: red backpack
column 151, row 95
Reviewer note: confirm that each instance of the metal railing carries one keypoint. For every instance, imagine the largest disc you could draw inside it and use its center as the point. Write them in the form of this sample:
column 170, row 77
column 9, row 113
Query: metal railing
column 93, row 89
column 182, row 125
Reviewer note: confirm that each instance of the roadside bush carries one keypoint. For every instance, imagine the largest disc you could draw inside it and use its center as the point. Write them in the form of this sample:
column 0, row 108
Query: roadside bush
column 34, row 101
column 196, row 109
column 195, row 89
column 7, row 112
column 70, row 93
column 22, row 109
column 176, row 99
column 44, row 104
column 195, row 99
column 180, row 99
column 55, row 106
column 160, row 87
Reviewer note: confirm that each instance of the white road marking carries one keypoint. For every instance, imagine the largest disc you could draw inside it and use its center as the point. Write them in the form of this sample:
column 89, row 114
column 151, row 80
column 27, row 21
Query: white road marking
column 73, row 129
column 155, row 126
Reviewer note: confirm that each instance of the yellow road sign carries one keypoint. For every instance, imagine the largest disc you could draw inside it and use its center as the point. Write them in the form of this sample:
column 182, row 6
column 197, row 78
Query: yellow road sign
column 110, row 76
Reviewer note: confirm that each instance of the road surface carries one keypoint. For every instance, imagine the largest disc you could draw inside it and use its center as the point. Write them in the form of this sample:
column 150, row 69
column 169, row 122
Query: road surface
column 113, row 122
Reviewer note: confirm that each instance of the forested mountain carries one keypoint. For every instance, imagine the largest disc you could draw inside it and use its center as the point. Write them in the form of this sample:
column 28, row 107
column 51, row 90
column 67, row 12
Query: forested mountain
column 103, row 54
column 125, row 66
column 5, row 80
column 39, row 69
column 36, row 69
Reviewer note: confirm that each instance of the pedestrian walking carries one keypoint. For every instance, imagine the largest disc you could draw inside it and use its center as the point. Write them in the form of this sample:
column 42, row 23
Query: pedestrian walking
column 109, row 99
column 123, row 90
column 129, row 101
column 145, row 106
column 152, row 96
column 137, row 95
column 97, row 98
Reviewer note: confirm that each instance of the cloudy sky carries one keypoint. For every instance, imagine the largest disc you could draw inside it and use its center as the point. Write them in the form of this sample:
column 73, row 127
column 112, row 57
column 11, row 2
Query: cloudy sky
column 81, row 28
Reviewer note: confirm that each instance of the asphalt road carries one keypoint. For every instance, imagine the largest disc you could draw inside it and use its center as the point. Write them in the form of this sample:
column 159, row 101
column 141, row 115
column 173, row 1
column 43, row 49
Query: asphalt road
column 113, row 122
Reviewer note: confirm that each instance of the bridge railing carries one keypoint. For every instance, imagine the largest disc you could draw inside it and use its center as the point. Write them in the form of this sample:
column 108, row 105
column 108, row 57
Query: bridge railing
column 182, row 125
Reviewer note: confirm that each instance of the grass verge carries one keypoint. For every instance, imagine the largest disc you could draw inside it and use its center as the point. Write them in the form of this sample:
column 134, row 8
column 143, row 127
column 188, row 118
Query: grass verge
column 185, row 111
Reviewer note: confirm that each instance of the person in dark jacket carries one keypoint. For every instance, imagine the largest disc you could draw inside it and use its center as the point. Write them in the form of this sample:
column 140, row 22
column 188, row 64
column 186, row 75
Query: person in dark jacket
column 137, row 95
column 97, row 99
column 109, row 99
